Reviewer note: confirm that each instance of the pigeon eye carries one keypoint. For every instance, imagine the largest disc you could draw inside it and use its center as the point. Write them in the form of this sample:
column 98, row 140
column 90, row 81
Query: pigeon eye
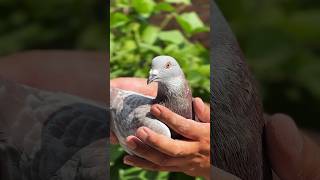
column 168, row 65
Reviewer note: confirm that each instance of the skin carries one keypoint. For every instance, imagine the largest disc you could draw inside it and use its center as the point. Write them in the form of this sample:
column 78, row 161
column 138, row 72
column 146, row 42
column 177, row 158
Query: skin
column 74, row 72
column 292, row 154
column 160, row 153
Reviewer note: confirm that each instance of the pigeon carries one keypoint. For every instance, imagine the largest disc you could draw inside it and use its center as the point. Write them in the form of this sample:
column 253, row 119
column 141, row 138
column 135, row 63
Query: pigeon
column 51, row 135
column 237, row 117
column 130, row 110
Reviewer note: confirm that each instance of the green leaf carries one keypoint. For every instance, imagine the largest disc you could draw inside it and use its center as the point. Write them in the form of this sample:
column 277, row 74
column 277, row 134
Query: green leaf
column 149, row 34
column 144, row 7
column 118, row 19
column 111, row 43
column 116, row 152
column 191, row 23
column 155, row 49
column 303, row 27
column 173, row 36
column 121, row 3
column 204, row 70
column 129, row 45
column 176, row 175
column 164, row 7
column 188, row 2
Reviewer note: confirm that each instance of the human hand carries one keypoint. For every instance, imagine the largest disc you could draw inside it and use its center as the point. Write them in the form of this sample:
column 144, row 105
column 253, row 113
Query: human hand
column 139, row 85
column 292, row 154
column 160, row 153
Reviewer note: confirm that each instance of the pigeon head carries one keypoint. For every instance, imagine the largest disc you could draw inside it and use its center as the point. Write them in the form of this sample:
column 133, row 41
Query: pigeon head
column 165, row 70
column 173, row 89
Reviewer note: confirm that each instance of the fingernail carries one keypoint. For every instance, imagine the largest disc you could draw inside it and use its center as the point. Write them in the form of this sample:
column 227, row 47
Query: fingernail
column 127, row 161
column 155, row 110
column 142, row 133
column 131, row 144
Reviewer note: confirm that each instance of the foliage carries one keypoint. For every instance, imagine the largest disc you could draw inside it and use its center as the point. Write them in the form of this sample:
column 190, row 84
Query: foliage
column 51, row 24
column 135, row 40
column 281, row 41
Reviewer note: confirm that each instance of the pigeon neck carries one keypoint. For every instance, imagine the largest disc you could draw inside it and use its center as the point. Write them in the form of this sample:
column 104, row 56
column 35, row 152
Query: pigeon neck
column 170, row 89
column 175, row 96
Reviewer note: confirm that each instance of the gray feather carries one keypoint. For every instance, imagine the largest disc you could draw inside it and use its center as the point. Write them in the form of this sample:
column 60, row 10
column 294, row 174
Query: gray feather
column 129, row 111
column 46, row 134
column 237, row 122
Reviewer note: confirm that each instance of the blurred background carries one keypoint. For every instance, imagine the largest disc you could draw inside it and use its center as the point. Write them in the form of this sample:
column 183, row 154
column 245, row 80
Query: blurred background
column 143, row 29
column 281, row 43
column 52, row 24
column 59, row 46
column 280, row 39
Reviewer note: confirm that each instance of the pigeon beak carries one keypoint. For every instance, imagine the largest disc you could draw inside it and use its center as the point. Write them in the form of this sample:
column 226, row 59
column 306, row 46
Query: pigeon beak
column 153, row 76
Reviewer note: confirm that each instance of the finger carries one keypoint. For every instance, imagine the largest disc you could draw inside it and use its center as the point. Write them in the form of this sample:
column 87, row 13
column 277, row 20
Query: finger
column 168, row 146
column 202, row 111
column 138, row 85
column 186, row 127
column 142, row 163
column 145, row 151
column 157, row 157
column 292, row 155
column 113, row 138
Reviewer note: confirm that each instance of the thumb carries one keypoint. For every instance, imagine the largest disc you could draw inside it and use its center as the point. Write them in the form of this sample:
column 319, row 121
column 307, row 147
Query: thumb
column 292, row 155
column 202, row 110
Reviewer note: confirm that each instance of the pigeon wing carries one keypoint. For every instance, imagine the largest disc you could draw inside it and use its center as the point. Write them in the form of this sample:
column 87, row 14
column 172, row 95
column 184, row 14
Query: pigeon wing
column 129, row 111
column 41, row 131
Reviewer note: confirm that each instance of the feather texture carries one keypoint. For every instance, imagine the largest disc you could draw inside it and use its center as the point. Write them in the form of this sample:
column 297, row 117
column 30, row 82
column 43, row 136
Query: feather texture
column 130, row 110
column 48, row 135
column 237, row 121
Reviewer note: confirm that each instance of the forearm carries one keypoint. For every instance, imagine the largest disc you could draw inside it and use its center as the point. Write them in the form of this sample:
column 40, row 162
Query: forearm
column 76, row 72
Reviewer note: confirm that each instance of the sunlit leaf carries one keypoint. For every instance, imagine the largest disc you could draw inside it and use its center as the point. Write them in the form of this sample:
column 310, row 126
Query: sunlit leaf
column 150, row 34
column 144, row 7
column 118, row 19
column 191, row 23
column 179, row 1
column 173, row 36
column 164, row 7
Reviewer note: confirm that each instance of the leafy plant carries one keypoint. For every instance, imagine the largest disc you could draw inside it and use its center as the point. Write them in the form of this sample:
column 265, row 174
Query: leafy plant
column 134, row 40
column 136, row 37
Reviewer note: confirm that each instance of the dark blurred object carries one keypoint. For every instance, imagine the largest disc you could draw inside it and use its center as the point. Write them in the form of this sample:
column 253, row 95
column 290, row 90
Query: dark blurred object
column 314, row 135
column 237, row 121
column 82, row 73
column 281, row 41
column 52, row 24
column 45, row 135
